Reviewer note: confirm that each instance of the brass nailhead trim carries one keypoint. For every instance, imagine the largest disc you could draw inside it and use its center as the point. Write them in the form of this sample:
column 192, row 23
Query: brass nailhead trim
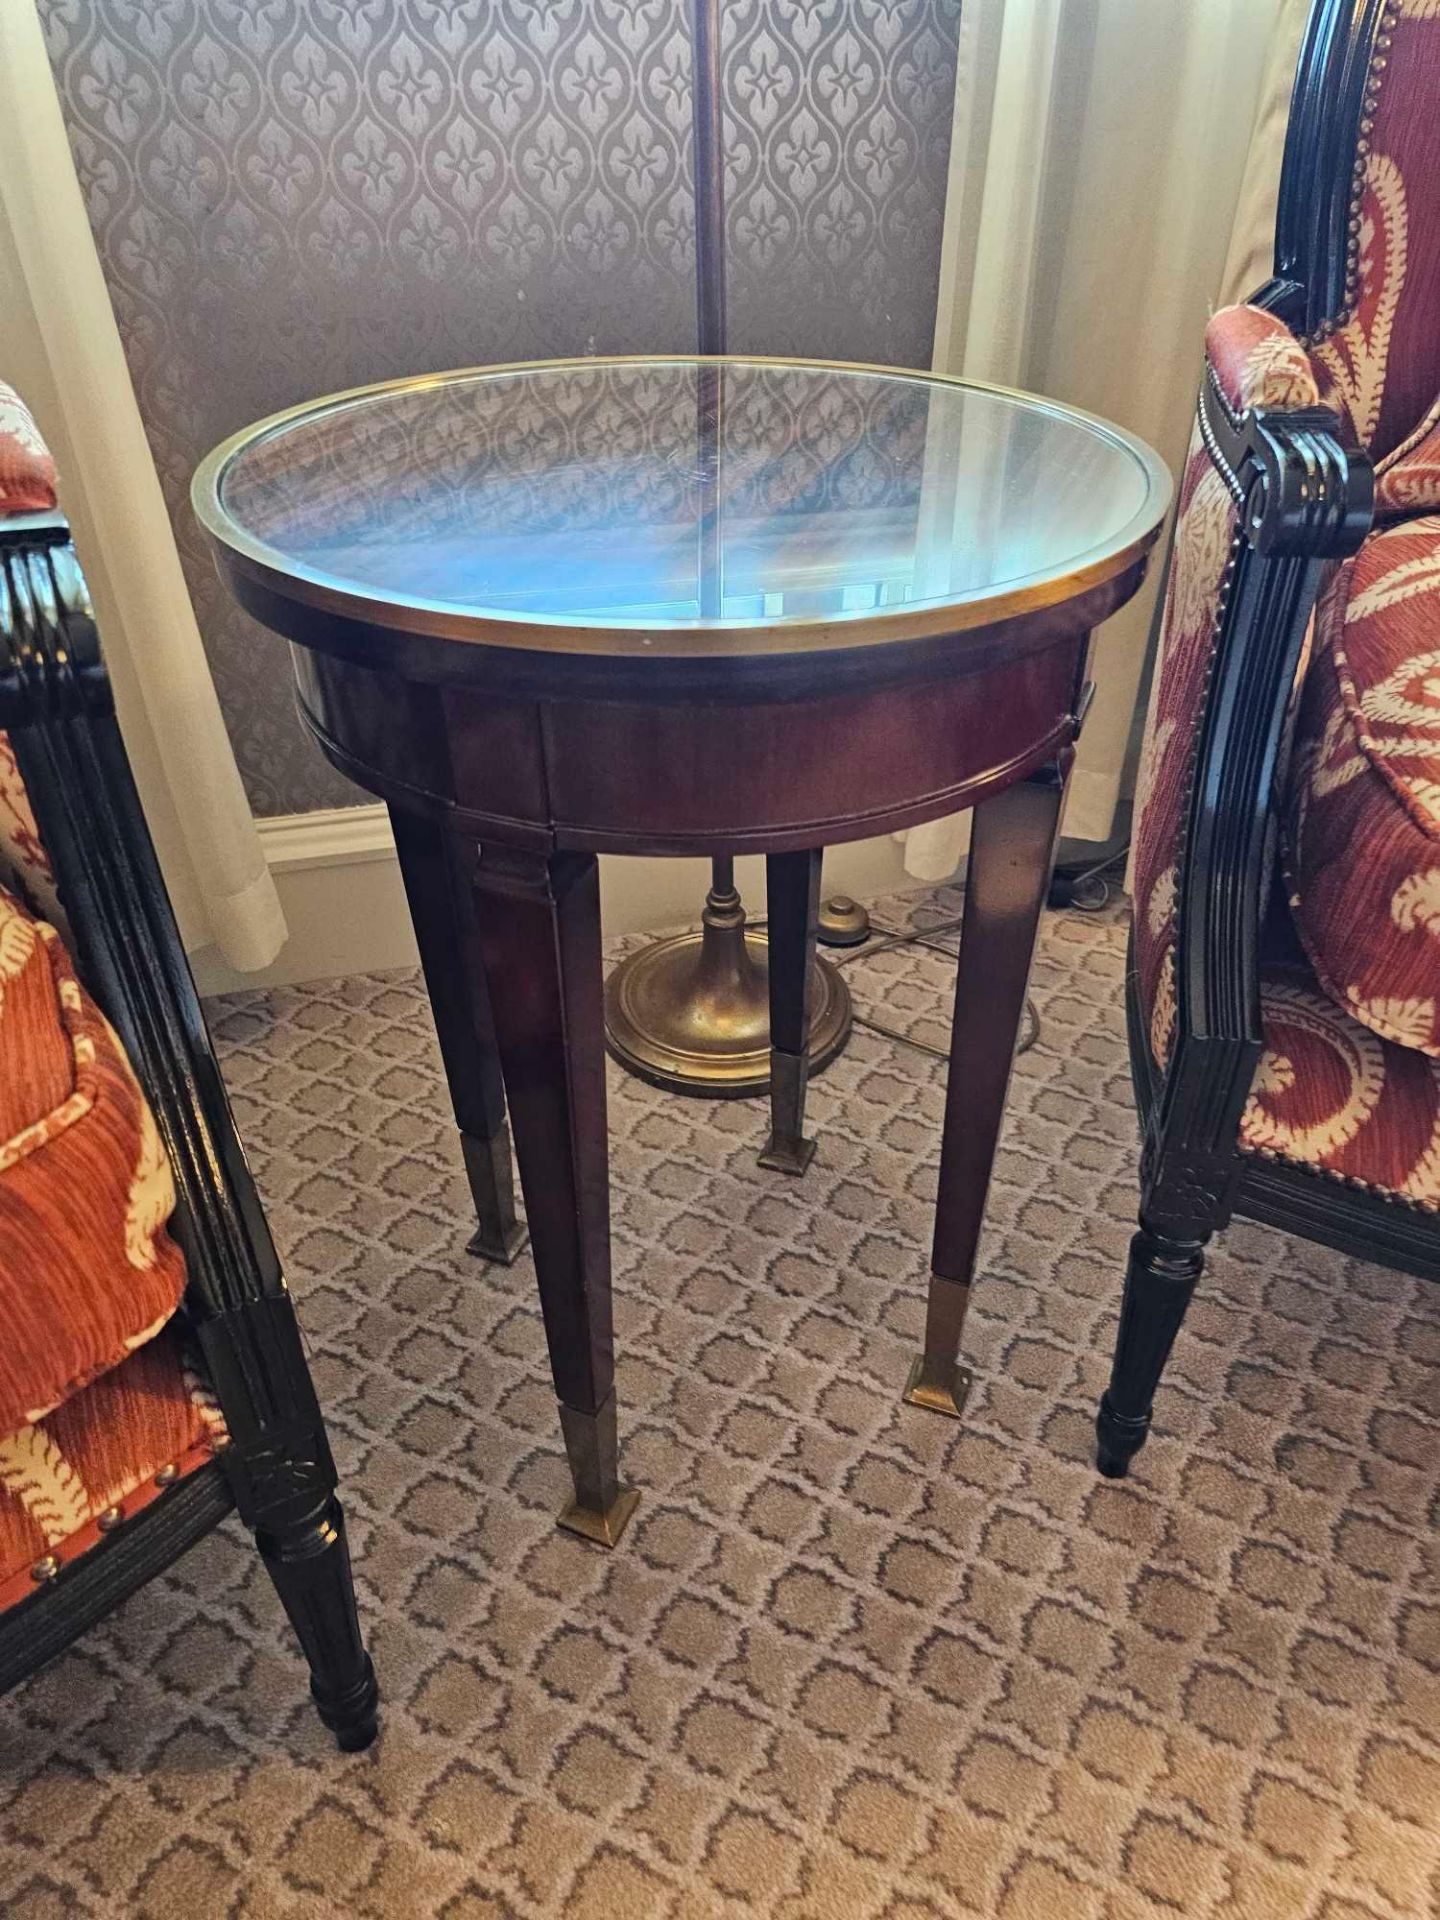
column 109, row 1519
column 45, row 1569
column 1388, row 1194
column 1379, row 61
column 167, row 1476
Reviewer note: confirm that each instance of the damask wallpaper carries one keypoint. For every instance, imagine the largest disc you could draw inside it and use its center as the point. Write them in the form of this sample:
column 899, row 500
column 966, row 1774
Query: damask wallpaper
column 292, row 196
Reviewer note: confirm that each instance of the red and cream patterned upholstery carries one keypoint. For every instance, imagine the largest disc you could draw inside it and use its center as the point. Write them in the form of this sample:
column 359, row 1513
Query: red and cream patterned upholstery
column 27, row 472
column 1346, row 1084
column 27, row 485
column 1379, row 367
column 97, row 1397
column 97, row 1394
column 24, row 864
column 1362, row 812
column 1330, row 1094
column 1349, row 1082
column 1258, row 363
column 1362, row 807
column 88, row 1271
column 115, row 1445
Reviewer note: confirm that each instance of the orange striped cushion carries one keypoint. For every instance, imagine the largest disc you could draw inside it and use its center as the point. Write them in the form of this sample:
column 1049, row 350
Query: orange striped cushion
column 102, row 1450
column 87, row 1268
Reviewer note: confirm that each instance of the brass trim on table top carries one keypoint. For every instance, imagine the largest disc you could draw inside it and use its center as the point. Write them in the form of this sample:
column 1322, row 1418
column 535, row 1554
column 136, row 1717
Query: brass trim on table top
column 797, row 634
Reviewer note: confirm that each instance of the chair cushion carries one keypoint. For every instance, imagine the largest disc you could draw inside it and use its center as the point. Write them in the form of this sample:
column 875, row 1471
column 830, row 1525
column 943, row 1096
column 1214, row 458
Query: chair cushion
column 100, row 1451
column 1330, row 1095
column 1361, row 810
column 27, row 472
column 87, row 1269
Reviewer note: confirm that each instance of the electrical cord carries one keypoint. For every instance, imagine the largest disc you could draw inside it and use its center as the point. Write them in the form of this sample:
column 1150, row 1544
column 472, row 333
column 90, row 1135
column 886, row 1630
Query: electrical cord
column 1086, row 891
column 925, row 937
column 920, row 937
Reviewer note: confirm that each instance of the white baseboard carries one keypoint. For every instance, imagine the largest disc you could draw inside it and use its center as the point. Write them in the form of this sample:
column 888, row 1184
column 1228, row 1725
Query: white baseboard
column 341, row 893
column 344, row 902
column 332, row 837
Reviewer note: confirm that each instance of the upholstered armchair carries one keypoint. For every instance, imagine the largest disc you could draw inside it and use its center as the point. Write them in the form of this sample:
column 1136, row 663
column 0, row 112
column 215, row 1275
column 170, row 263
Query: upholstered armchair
column 151, row 1372
column 1284, row 993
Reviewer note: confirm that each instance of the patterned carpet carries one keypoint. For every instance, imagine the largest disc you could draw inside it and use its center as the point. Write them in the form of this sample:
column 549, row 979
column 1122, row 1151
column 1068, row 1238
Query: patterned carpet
column 851, row 1660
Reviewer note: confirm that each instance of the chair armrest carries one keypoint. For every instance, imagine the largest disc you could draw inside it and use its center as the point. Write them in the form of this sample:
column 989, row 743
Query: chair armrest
column 1301, row 498
column 55, row 701
column 1302, row 489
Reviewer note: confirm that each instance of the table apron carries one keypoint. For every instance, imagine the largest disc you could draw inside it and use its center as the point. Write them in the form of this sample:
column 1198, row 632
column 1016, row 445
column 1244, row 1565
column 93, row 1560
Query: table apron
column 624, row 776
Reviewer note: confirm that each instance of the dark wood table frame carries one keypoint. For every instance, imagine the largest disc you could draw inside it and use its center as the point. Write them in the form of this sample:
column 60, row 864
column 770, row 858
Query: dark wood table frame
column 511, row 754
column 507, row 771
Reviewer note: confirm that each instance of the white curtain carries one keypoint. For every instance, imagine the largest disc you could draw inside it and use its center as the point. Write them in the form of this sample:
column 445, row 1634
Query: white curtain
column 1250, row 259
column 60, row 347
column 1098, row 152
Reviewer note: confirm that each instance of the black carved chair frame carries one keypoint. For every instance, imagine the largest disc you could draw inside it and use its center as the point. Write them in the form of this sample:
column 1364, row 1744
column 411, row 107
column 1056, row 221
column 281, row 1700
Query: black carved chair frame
column 277, row 1470
column 1306, row 499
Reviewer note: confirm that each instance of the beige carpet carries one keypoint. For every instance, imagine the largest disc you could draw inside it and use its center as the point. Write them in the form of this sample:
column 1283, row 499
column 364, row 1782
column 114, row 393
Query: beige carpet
column 851, row 1660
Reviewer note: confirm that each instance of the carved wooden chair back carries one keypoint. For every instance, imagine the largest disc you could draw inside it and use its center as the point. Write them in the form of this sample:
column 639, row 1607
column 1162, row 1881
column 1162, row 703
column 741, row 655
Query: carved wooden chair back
column 1318, row 402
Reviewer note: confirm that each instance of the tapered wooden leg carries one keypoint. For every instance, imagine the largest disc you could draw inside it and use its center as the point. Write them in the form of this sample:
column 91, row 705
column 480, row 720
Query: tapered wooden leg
column 1012, row 852
column 538, row 925
column 1159, row 1281
column 441, row 911
column 792, row 888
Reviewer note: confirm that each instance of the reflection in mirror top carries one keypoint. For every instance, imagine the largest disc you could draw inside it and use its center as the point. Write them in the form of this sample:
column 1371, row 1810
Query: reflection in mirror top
column 678, row 493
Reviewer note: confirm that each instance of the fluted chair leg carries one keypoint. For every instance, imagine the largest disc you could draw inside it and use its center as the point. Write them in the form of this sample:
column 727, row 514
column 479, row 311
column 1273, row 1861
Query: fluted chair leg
column 281, row 1472
column 1159, row 1281
column 309, row 1561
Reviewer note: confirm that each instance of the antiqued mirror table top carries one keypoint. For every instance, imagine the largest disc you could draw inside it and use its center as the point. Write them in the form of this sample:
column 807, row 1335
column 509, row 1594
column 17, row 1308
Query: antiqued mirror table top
column 681, row 504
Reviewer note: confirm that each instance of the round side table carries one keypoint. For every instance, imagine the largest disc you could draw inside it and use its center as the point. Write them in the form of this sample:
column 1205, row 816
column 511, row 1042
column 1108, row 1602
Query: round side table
column 684, row 606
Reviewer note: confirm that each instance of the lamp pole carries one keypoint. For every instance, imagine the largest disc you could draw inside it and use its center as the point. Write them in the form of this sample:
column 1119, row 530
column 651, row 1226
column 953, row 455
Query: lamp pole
column 709, row 153
column 692, row 1013
column 709, row 178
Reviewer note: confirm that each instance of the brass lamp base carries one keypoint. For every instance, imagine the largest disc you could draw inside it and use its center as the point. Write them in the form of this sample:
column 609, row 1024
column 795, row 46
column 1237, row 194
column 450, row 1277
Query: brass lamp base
column 843, row 922
column 692, row 1013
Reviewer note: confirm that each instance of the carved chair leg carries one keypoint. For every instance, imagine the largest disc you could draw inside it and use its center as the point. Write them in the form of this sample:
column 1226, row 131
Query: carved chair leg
column 279, row 1467
column 455, row 981
column 792, row 888
column 1159, row 1281
column 539, row 931
column 308, row 1559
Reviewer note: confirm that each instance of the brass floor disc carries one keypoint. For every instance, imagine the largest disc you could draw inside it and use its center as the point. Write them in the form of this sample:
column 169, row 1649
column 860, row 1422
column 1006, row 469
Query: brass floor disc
column 692, row 1014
